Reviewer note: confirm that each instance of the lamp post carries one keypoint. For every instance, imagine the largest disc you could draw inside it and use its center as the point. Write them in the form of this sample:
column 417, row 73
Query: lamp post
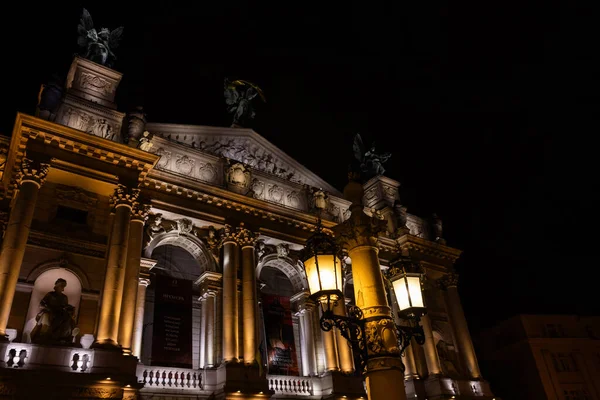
column 377, row 340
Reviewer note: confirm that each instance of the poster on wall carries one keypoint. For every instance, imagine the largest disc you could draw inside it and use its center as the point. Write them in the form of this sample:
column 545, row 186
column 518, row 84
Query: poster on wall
column 281, row 351
column 172, row 329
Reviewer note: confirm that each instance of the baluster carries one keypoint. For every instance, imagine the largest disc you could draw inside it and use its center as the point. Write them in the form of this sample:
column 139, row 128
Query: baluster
column 195, row 380
column 145, row 376
column 151, row 378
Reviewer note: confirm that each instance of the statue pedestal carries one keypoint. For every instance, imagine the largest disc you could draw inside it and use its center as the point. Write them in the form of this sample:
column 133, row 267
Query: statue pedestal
column 89, row 101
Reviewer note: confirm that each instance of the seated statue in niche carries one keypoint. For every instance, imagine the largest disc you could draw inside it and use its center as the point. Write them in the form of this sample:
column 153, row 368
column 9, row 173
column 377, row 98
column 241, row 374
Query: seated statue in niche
column 56, row 320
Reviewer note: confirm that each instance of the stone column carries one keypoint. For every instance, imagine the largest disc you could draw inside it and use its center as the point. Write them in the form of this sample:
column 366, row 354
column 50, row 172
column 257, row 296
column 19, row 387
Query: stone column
column 431, row 355
column 210, row 329
column 309, row 356
column 331, row 358
column 409, row 363
column 230, row 298
column 138, row 326
column 247, row 241
column 346, row 360
column 139, row 213
column 112, row 293
column 459, row 325
column 384, row 372
column 202, row 362
column 31, row 178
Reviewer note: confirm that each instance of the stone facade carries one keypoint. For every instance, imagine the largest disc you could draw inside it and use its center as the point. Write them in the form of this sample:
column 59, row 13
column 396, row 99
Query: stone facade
column 220, row 207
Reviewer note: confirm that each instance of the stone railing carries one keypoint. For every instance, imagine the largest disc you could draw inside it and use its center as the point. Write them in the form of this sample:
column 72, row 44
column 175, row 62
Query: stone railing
column 169, row 378
column 67, row 359
column 291, row 385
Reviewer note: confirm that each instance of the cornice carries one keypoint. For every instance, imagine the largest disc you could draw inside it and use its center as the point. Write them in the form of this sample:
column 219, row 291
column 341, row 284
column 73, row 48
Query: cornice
column 413, row 243
column 29, row 129
column 219, row 197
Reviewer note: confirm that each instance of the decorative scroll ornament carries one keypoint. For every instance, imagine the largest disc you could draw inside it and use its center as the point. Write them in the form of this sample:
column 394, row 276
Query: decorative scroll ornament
column 238, row 178
column 227, row 234
column 125, row 196
column 33, row 170
column 448, row 280
column 184, row 225
column 139, row 211
column 381, row 337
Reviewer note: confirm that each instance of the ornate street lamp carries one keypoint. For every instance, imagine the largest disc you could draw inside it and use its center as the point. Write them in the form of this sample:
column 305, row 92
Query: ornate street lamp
column 407, row 286
column 323, row 268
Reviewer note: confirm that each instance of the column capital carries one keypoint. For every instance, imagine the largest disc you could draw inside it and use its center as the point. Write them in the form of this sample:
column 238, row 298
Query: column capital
column 139, row 211
column 245, row 237
column 227, row 234
column 448, row 280
column 124, row 196
column 360, row 230
column 144, row 281
column 33, row 171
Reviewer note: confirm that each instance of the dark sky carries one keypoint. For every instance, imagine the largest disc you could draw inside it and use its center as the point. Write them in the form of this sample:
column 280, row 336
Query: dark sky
column 490, row 111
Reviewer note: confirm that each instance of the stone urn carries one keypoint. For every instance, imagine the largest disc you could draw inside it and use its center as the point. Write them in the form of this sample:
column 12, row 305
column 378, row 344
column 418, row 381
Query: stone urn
column 86, row 340
column 12, row 334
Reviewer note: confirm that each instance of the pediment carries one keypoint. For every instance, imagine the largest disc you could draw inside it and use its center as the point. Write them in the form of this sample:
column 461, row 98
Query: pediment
column 243, row 145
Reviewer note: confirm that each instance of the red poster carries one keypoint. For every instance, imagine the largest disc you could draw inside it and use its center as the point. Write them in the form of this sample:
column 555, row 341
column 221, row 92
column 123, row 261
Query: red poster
column 172, row 331
column 281, row 351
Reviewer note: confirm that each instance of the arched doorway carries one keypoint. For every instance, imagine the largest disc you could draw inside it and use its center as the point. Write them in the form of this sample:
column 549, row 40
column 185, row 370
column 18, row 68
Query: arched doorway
column 172, row 330
column 280, row 278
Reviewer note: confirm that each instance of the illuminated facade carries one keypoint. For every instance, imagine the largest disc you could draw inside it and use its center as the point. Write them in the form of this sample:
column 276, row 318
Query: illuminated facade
column 179, row 246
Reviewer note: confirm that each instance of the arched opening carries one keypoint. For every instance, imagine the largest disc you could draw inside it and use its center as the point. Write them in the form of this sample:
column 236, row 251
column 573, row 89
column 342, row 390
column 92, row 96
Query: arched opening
column 43, row 284
column 172, row 313
column 280, row 346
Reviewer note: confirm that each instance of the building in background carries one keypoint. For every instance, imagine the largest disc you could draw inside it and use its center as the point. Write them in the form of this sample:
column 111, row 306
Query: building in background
column 554, row 357
column 142, row 260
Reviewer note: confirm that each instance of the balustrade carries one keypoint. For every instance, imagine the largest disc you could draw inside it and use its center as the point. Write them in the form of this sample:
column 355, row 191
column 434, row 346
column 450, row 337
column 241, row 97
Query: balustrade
column 290, row 385
column 169, row 378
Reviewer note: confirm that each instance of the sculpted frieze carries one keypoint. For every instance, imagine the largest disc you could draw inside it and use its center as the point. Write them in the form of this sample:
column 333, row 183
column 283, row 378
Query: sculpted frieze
column 275, row 194
column 238, row 178
column 207, row 172
column 94, row 82
column 184, row 164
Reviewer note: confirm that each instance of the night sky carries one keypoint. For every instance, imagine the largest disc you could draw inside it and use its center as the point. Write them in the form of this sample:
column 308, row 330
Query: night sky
column 490, row 111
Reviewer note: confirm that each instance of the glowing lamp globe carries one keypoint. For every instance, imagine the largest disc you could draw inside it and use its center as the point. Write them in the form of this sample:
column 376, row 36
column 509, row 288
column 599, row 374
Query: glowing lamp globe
column 323, row 267
column 408, row 290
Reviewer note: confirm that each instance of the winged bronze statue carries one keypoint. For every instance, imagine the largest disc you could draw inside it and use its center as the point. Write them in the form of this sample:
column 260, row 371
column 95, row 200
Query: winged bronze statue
column 370, row 163
column 97, row 46
column 239, row 95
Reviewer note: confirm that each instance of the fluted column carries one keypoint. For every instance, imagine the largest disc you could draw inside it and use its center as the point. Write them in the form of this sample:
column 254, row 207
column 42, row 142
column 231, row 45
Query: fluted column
column 431, row 355
column 139, row 213
column 309, row 356
column 202, row 362
column 247, row 240
column 210, row 329
column 459, row 325
column 346, row 360
column 112, row 293
column 31, row 178
column 230, row 298
column 138, row 326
